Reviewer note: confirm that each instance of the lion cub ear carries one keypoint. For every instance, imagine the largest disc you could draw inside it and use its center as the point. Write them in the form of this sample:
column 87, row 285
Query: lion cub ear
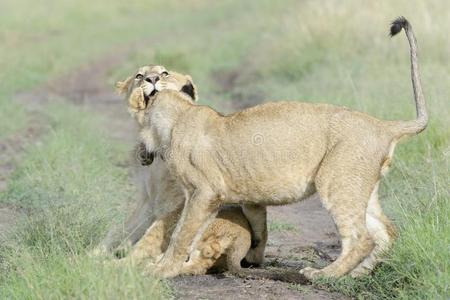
column 190, row 89
column 122, row 86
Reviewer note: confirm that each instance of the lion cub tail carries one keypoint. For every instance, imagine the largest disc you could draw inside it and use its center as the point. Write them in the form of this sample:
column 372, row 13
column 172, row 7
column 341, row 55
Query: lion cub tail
column 416, row 126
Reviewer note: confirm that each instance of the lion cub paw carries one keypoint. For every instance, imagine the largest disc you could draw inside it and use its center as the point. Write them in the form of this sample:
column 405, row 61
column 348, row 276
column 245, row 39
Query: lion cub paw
column 359, row 272
column 311, row 273
column 163, row 270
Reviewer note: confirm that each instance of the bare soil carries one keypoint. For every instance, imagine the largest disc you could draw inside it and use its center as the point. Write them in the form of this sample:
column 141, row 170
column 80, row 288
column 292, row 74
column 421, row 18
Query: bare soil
column 310, row 239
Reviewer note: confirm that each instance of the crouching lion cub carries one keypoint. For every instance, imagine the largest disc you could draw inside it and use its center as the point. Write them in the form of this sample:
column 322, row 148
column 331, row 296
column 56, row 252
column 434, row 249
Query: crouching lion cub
column 279, row 153
column 222, row 246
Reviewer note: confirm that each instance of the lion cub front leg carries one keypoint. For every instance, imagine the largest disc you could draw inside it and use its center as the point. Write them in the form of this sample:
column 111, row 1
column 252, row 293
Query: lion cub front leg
column 199, row 209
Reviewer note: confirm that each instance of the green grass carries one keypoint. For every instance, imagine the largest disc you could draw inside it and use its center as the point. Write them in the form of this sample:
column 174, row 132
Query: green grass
column 230, row 40
column 280, row 226
column 61, row 275
column 52, row 38
column 313, row 51
column 71, row 191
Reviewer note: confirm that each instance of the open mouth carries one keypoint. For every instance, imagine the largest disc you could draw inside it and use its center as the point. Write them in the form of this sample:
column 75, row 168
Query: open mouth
column 147, row 97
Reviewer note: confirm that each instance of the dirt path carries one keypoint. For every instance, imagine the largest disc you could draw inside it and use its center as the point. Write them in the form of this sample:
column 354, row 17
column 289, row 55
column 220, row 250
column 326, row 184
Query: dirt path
column 303, row 233
column 11, row 150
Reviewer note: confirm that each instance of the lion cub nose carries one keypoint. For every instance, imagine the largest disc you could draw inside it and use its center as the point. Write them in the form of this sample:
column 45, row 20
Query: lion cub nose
column 152, row 79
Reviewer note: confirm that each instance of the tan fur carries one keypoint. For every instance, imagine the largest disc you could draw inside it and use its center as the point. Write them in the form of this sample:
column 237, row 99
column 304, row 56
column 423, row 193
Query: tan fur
column 279, row 153
column 222, row 246
column 161, row 197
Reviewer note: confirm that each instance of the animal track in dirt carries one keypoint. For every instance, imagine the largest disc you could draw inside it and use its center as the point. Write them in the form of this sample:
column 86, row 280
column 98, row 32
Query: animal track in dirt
column 229, row 287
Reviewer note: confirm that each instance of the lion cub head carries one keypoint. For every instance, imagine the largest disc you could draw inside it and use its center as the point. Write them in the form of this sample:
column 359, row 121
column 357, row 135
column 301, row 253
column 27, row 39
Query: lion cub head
column 141, row 88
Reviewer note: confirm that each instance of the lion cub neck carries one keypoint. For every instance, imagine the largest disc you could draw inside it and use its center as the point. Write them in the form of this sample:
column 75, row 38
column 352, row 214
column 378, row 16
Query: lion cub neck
column 162, row 115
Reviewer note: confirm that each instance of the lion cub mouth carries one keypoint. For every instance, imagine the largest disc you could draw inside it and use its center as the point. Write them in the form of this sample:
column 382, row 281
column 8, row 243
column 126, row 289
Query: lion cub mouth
column 147, row 97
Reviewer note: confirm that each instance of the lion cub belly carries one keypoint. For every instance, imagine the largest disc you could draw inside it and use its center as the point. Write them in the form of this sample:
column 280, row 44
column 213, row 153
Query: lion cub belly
column 275, row 195
column 275, row 186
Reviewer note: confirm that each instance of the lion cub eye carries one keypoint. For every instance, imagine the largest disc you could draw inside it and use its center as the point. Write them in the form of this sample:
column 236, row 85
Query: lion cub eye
column 139, row 76
column 165, row 73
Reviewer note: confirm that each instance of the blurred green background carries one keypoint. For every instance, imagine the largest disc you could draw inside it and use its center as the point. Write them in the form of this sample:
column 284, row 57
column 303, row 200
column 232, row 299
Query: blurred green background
column 68, row 176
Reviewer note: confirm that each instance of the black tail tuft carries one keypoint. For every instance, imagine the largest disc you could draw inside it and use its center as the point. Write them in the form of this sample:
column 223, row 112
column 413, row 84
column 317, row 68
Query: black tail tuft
column 398, row 24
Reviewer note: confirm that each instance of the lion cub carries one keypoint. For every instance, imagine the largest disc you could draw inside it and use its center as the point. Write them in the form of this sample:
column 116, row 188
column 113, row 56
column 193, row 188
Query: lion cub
column 279, row 153
column 222, row 246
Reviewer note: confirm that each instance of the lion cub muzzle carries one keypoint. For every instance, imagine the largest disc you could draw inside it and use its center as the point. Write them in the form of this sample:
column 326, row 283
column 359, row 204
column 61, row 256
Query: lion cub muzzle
column 150, row 86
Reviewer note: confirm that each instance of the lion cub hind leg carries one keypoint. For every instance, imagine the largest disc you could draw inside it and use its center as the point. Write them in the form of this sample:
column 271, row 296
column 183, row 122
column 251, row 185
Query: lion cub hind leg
column 223, row 245
column 257, row 217
column 156, row 239
column 236, row 253
column 381, row 230
column 345, row 192
column 199, row 209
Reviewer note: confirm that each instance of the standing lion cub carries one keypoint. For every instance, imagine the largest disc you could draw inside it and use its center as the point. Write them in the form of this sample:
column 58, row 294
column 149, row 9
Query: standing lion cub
column 279, row 153
column 227, row 238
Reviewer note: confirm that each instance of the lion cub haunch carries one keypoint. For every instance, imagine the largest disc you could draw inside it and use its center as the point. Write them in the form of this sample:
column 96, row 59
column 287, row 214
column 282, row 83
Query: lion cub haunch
column 223, row 245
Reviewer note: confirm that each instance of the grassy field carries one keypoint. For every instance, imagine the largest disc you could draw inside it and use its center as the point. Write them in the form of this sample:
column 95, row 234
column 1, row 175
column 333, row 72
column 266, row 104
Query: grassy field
column 334, row 52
